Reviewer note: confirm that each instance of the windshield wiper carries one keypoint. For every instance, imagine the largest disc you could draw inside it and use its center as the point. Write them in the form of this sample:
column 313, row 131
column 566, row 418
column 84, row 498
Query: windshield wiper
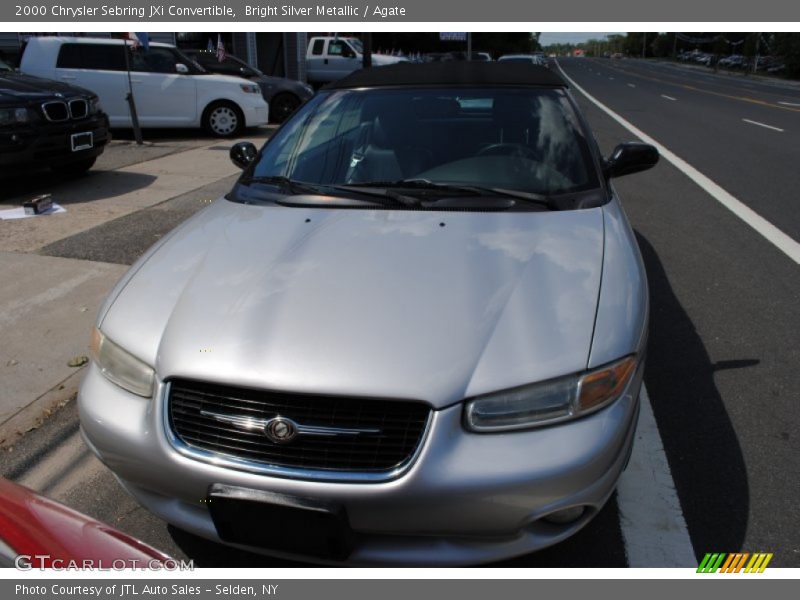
column 285, row 184
column 292, row 187
column 378, row 191
column 474, row 190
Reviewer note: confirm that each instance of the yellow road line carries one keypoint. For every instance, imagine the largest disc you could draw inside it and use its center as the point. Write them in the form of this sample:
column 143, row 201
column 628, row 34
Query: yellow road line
column 705, row 91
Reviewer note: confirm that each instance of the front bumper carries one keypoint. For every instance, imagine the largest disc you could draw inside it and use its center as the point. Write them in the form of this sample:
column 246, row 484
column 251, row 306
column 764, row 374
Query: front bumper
column 48, row 144
column 255, row 110
column 468, row 498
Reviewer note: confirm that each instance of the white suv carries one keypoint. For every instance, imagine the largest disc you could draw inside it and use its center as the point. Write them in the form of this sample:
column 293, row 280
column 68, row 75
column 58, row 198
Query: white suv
column 170, row 90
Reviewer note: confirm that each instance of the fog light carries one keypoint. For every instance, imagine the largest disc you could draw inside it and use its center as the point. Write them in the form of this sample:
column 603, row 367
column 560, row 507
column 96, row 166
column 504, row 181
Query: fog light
column 567, row 515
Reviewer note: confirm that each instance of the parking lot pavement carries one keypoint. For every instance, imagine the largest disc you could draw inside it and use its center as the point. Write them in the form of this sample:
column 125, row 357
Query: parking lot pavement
column 105, row 195
column 56, row 268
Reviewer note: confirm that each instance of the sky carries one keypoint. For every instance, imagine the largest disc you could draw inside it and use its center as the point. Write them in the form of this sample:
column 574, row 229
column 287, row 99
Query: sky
column 572, row 38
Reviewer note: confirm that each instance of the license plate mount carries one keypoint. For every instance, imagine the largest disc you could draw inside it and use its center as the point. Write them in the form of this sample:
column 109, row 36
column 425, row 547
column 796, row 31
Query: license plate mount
column 82, row 141
column 290, row 524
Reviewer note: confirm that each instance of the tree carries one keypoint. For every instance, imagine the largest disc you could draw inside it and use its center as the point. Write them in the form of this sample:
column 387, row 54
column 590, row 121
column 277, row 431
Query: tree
column 787, row 46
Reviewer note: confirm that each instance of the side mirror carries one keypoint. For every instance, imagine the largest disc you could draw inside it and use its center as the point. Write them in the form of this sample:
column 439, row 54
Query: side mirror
column 242, row 154
column 181, row 68
column 630, row 157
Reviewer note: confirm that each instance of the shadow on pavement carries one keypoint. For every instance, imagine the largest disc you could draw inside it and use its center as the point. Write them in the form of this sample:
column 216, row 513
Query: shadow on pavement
column 91, row 186
column 701, row 445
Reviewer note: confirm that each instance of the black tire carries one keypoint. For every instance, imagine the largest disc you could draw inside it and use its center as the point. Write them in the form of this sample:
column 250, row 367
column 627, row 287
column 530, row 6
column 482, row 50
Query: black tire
column 74, row 169
column 223, row 119
column 282, row 105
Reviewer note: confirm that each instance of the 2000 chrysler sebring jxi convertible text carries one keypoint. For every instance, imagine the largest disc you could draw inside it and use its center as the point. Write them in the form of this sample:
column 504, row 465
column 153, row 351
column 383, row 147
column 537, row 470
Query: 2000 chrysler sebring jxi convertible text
column 413, row 332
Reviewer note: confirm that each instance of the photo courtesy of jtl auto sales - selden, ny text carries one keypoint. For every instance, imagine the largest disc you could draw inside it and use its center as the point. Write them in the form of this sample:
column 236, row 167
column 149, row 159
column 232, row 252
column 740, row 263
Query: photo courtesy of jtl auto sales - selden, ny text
column 329, row 300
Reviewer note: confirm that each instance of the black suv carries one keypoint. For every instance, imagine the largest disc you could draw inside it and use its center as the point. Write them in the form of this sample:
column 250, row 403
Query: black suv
column 45, row 123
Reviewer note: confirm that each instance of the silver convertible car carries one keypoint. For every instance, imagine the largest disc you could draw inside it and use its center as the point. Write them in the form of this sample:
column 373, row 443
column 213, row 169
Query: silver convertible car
column 413, row 333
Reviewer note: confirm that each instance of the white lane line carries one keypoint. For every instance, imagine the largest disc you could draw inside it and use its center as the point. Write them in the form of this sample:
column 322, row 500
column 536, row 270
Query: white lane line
column 768, row 231
column 790, row 103
column 611, row 79
column 668, row 97
column 763, row 125
column 651, row 518
column 630, row 84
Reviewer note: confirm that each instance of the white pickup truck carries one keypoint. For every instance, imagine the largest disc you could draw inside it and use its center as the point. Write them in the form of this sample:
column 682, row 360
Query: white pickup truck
column 331, row 58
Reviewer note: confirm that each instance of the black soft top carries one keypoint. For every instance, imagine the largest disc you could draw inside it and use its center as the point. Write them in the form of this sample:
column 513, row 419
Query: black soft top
column 455, row 73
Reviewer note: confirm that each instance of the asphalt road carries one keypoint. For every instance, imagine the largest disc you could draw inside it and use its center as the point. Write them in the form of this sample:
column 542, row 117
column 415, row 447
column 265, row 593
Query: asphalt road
column 725, row 303
column 723, row 354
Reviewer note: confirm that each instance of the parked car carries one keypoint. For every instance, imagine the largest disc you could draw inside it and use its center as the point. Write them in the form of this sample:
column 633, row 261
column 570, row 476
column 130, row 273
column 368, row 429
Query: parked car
column 170, row 90
column 36, row 532
column 49, row 124
column 534, row 59
column 283, row 95
column 413, row 333
column 329, row 58
column 458, row 55
column 734, row 61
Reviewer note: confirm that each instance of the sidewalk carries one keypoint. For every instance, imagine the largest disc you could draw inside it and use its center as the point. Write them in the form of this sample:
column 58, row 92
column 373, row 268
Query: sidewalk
column 47, row 308
column 48, row 304
column 106, row 195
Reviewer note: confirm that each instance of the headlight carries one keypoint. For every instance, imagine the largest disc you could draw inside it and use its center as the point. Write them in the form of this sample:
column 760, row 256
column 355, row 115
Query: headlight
column 248, row 88
column 12, row 116
column 120, row 367
column 550, row 401
column 94, row 106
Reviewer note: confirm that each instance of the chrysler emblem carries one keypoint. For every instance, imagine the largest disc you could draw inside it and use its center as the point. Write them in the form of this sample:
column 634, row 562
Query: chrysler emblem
column 280, row 430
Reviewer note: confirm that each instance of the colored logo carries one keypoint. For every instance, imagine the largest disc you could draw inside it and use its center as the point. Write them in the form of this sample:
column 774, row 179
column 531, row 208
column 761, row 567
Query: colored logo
column 744, row 562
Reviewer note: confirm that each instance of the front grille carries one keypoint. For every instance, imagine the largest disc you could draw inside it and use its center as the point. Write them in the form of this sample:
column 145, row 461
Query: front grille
column 79, row 108
column 55, row 111
column 401, row 426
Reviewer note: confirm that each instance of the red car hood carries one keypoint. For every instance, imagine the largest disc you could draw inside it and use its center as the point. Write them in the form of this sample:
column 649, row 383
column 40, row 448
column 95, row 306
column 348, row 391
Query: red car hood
column 31, row 525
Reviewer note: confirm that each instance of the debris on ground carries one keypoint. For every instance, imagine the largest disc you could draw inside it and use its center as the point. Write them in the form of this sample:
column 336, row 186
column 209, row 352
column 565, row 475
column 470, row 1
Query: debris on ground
column 78, row 361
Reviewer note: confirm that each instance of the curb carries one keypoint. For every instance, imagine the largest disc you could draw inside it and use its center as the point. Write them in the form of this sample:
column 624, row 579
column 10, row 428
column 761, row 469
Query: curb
column 42, row 408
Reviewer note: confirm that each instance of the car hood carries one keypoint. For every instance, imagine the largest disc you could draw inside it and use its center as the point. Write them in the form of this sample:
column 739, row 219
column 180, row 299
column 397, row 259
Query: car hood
column 16, row 87
column 436, row 306
column 212, row 80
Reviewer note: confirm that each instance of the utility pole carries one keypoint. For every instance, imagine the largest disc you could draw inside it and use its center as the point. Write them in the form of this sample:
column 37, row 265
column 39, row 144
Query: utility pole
column 675, row 46
column 137, row 131
column 366, row 57
column 644, row 44
column 469, row 45
column 755, row 60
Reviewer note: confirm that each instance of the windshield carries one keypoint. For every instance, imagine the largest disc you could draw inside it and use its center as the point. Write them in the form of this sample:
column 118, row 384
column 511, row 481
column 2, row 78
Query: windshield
column 526, row 140
column 356, row 44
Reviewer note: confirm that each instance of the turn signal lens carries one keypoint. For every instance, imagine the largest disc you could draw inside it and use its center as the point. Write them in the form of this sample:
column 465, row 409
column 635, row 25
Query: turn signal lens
column 549, row 402
column 600, row 387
